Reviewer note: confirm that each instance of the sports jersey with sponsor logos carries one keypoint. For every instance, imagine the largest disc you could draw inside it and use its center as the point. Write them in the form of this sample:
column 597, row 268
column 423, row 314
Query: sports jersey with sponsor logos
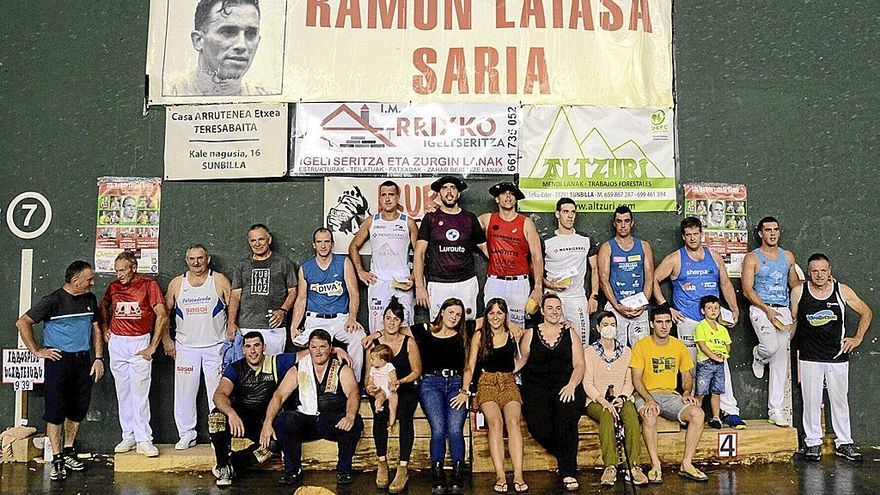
column 264, row 285
column 695, row 280
column 253, row 388
column 452, row 240
column 566, row 252
column 131, row 306
column 67, row 320
column 390, row 243
column 820, row 327
column 327, row 293
column 771, row 279
column 199, row 313
column 627, row 273
column 507, row 246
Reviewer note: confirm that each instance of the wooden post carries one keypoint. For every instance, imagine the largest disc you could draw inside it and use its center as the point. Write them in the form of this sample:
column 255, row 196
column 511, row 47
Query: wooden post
column 24, row 304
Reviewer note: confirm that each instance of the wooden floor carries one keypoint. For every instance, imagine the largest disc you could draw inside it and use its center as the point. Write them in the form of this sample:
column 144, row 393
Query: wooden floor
column 760, row 442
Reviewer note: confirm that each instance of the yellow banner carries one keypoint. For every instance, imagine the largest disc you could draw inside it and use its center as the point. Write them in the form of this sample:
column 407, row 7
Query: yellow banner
column 588, row 52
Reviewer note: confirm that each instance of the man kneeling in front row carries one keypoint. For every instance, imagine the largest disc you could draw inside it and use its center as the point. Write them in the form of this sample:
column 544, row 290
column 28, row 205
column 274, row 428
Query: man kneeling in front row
column 328, row 409
column 241, row 400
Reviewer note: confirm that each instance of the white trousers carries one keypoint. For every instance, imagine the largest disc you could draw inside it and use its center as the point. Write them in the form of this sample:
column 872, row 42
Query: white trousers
column 336, row 328
column 835, row 377
column 189, row 365
column 378, row 297
column 514, row 292
column 686, row 330
column 466, row 291
column 574, row 309
column 274, row 339
column 132, row 375
column 773, row 349
column 630, row 330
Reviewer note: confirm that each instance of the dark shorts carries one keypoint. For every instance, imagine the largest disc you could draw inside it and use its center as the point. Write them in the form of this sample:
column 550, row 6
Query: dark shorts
column 68, row 387
column 710, row 378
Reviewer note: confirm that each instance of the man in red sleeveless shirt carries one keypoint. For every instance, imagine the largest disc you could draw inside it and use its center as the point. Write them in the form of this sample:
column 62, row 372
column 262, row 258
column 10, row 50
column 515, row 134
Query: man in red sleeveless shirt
column 512, row 241
column 132, row 308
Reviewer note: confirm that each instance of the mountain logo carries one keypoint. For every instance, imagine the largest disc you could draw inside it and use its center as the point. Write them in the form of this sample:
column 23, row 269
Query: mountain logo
column 594, row 157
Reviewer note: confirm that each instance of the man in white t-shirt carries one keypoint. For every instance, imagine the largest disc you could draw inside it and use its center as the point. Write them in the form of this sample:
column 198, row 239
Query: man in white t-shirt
column 566, row 254
column 391, row 234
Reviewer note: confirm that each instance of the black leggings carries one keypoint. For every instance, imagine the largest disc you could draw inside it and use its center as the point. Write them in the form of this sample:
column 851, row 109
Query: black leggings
column 407, row 400
column 554, row 424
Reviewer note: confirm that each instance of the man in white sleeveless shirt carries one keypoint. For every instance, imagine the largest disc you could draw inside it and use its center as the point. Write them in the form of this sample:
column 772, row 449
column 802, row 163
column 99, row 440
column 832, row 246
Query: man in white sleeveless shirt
column 199, row 298
column 391, row 234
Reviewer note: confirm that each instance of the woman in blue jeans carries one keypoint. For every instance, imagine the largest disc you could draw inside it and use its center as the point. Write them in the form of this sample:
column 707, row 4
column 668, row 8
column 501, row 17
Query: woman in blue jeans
column 442, row 347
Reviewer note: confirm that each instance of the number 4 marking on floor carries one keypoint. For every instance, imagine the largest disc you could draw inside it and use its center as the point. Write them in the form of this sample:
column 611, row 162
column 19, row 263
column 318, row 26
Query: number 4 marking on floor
column 727, row 444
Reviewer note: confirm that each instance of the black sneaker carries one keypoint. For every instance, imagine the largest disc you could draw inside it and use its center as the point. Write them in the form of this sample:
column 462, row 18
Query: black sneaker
column 59, row 472
column 291, row 479
column 71, row 461
column 849, row 451
column 813, row 453
column 343, row 478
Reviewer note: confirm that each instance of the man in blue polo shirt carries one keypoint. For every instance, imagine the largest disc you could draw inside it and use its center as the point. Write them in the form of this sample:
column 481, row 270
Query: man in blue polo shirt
column 69, row 331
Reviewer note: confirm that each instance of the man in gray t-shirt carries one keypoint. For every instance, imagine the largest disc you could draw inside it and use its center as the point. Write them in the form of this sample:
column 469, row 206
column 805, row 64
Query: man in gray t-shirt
column 263, row 291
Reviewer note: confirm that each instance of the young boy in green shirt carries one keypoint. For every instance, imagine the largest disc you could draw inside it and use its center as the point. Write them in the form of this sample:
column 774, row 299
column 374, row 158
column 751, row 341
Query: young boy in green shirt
column 713, row 347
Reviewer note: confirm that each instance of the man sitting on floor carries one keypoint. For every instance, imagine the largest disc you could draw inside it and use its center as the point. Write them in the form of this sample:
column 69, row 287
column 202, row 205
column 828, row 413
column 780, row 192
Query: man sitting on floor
column 329, row 401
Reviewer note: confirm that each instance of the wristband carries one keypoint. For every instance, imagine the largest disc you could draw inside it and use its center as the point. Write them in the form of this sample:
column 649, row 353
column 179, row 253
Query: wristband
column 99, row 358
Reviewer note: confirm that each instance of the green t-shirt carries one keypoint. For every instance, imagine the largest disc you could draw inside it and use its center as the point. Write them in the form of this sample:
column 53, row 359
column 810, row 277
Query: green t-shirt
column 717, row 340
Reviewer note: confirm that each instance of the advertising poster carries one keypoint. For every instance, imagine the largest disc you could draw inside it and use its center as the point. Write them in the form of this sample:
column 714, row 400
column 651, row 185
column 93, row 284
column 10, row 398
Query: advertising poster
column 600, row 157
column 722, row 209
column 400, row 139
column 128, row 220
column 225, row 141
column 348, row 201
column 615, row 53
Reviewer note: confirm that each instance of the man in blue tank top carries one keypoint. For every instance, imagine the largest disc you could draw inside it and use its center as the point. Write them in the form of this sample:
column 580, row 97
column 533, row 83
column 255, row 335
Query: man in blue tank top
column 696, row 271
column 818, row 308
column 767, row 275
column 626, row 268
column 329, row 298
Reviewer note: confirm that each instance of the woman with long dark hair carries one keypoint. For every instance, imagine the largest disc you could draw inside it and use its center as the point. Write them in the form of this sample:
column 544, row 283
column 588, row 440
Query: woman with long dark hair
column 552, row 363
column 442, row 346
column 493, row 351
column 407, row 364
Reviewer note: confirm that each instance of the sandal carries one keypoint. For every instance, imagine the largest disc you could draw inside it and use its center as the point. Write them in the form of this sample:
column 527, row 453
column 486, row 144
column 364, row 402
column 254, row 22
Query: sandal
column 500, row 487
column 520, row 487
column 655, row 476
column 692, row 474
column 570, row 484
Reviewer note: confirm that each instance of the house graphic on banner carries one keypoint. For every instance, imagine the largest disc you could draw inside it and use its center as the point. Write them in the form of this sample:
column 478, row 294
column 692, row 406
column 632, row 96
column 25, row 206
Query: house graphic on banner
column 346, row 129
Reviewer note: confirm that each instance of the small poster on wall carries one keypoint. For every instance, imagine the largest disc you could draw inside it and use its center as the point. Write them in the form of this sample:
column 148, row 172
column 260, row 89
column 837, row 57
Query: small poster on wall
column 722, row 209
column 128, row 220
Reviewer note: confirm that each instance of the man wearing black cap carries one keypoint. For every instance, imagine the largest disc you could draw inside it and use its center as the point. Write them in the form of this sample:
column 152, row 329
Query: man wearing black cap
column 449, row 236
column 512, row 239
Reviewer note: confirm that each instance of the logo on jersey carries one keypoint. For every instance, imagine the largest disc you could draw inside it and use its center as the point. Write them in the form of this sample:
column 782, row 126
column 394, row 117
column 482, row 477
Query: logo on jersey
column 821, row 318
column 260, row 278
column 662, row 364
column 452, row 235
column 127, row 310
column 334, row 288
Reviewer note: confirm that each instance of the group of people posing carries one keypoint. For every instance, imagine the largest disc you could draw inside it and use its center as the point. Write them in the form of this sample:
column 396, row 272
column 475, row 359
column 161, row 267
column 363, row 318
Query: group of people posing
column 529, row 355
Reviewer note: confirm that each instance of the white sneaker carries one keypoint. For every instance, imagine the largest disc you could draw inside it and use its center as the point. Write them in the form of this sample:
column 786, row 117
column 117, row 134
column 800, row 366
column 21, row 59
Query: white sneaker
column 757, row 366
column 125, row 445
column 186, row 442
column 147, row 449
column 778, row 420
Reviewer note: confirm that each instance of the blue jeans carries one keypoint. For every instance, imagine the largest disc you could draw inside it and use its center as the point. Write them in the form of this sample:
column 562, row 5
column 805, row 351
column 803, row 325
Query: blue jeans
column 435, row 393
column 710, row 378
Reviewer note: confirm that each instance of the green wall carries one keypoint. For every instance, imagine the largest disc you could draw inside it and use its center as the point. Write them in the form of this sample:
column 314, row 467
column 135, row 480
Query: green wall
column 779, row 98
